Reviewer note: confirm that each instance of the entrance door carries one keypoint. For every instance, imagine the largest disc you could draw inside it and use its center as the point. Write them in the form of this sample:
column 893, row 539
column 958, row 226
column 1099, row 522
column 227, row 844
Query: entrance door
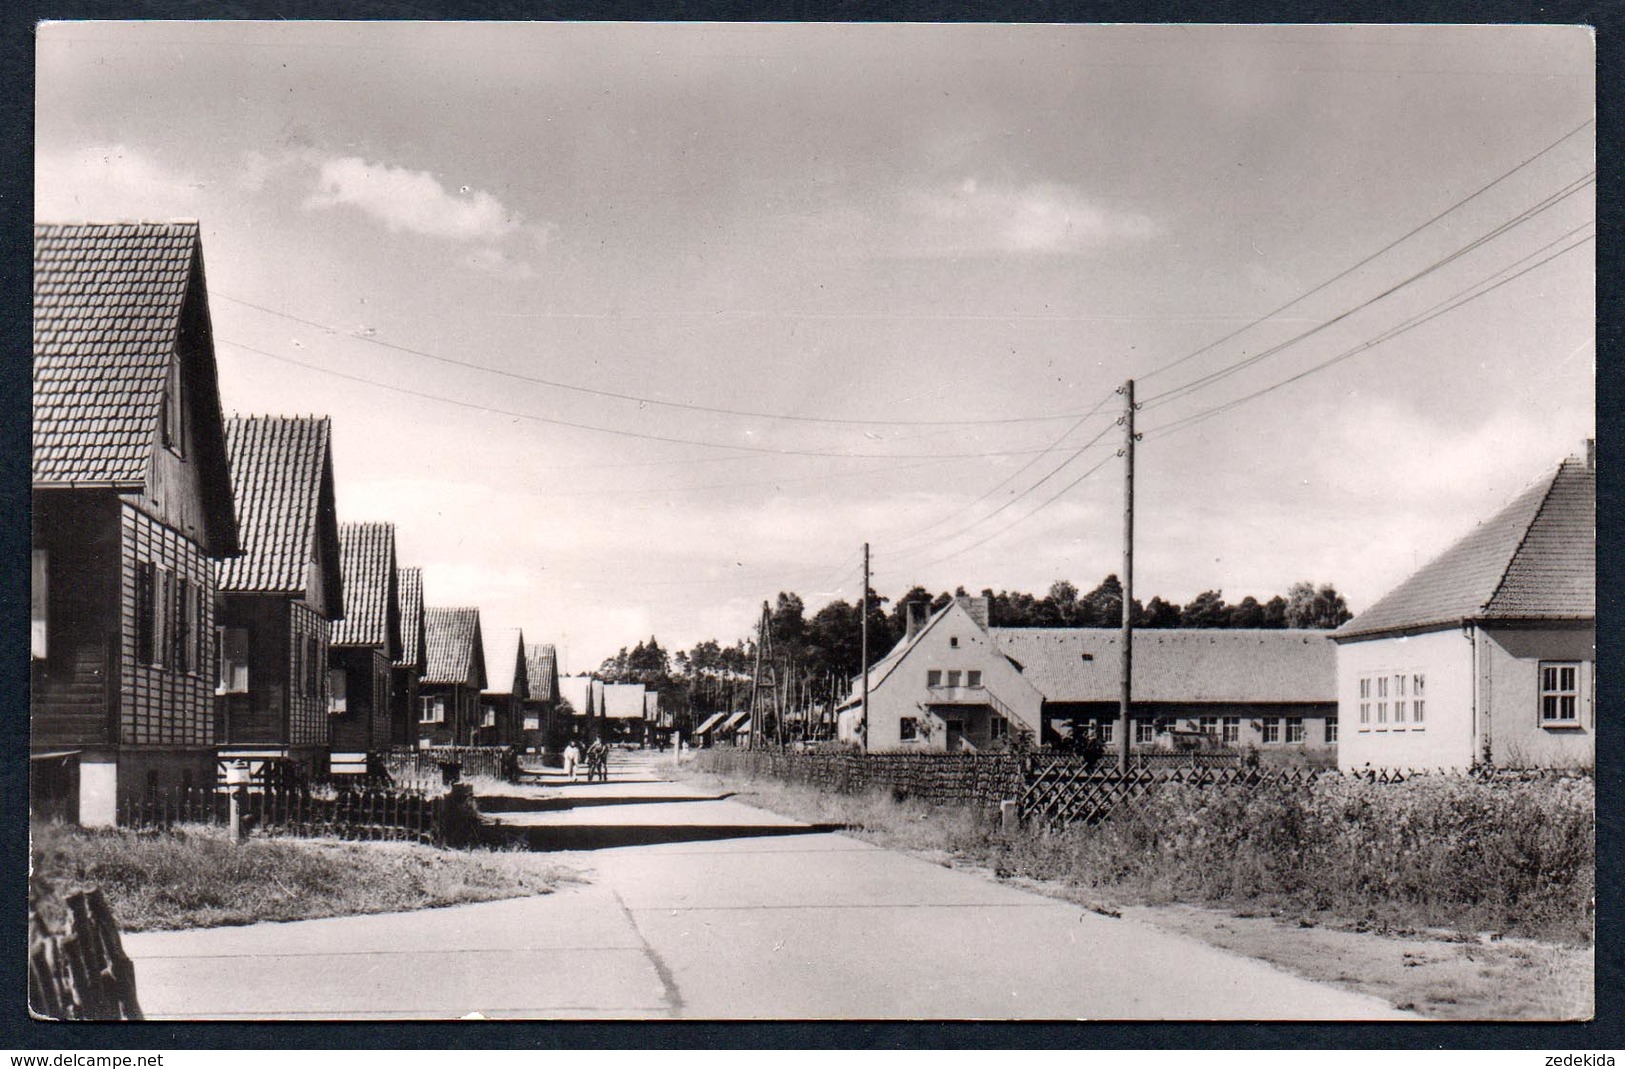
column 956, row 735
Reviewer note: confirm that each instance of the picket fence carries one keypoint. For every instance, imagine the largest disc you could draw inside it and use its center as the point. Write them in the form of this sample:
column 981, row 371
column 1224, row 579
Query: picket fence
column 368, row 813
column 77, row 970
column 406, row 765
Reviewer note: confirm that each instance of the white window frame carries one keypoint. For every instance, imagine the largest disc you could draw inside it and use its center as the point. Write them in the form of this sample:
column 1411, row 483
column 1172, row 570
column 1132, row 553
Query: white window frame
column 40, row 606
column 432, row 709
column 1559, row 692
column 337, row 692
column 1230, row 730
column 1145, row 732
column 1271, row 731
column 1329, row 731
column 1295, row 732
column 1208, row 725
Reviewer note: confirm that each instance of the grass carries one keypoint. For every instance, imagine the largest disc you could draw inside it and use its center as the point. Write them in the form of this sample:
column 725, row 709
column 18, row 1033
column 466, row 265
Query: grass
column 1422, row 952
column 195, row 877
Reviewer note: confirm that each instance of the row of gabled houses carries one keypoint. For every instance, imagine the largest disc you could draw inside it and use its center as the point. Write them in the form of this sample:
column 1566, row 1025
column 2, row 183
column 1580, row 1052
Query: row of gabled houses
column 195, row 599
column 1485, row 656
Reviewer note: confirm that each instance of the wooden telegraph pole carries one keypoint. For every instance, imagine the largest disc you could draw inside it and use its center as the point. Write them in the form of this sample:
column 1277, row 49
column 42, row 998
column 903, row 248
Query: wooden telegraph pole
column 1126, row 663
column 865, row 642
column 766, row 675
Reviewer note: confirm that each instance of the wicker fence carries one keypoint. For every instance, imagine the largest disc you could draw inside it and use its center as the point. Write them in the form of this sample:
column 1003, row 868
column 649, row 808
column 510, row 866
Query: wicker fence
column 77, row 968
column 366, row 814
column 976, row 779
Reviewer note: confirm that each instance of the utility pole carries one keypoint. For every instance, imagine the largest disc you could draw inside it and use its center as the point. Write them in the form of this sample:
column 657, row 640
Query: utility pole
column 1126, row 665
column 766, row 675
column 865, row 641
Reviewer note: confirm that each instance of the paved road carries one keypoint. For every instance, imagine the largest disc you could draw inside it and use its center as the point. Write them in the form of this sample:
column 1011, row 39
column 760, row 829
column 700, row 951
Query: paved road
column 701, row 907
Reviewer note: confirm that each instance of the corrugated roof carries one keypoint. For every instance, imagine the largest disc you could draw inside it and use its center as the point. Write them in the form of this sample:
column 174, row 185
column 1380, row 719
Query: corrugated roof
column 1536, row 559
column 454, row 650
column 541, row 671
column 108, row 310
column 372, row 605
column 410, row 586
column 1175, row 664
column 279, row 465
column 505, row 662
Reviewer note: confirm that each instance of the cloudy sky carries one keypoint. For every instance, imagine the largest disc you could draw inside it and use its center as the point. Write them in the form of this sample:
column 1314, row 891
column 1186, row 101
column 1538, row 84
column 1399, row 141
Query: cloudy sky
column 628, row 328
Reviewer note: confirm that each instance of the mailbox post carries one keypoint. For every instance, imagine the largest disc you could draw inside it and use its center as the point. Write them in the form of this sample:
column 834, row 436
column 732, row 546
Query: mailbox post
column 237, row 777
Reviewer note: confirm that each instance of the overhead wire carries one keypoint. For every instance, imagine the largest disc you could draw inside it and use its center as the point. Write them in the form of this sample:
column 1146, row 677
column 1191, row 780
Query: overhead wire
column 642, row 400
column 1469, row 198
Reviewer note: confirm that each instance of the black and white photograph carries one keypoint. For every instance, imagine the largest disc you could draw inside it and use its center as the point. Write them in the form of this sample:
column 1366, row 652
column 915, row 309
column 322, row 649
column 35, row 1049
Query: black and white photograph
column 703, row 521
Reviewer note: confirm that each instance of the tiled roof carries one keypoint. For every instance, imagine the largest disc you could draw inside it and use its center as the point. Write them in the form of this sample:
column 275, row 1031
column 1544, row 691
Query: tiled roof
column 541, row 671
column 372, row 607
column 504, row 662
column 108, row 309
column 1175, row 664
column 279, row 466
column 1536, row 559
column 107, row 315
column 411, row 594
column 452, row 641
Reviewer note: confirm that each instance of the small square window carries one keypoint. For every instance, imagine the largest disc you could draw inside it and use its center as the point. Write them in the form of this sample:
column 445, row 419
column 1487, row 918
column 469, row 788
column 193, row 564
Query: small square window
column 908, row 729
column 933, row 677
column 953, row 641
column 953, row 677
column 973, row 678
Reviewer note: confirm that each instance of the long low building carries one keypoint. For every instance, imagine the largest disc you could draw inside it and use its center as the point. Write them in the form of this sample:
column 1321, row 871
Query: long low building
column 955, row 683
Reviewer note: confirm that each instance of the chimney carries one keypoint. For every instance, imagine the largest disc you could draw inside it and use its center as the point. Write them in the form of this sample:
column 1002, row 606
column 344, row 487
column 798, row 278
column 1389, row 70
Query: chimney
column 1591, row 454
column 914, row 621
column 977, row 607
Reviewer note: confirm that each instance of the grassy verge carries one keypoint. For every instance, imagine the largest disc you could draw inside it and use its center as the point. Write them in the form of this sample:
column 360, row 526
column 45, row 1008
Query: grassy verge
column 195, row 877
column 1410, row 953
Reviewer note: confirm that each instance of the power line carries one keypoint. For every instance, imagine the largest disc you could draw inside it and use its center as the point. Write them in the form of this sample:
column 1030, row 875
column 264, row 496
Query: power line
column 670, row 440
column 1022, row 519
column 638, row 399
column 1544, row 204
column 1449, row 304
column 1480, row 191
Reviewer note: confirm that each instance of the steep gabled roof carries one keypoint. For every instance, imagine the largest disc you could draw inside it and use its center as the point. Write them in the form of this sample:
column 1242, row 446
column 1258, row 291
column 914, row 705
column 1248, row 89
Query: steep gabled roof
column 454, row 650
column 1536, row 559
column 1175, row 664
column 282, row 469
column 372, row 603
column 505, row 663
column 412, row 640
column 542, row 671
column 113, row 303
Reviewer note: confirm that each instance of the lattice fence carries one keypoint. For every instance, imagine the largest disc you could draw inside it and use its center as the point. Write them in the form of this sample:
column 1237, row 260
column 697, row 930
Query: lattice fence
column 362, row 814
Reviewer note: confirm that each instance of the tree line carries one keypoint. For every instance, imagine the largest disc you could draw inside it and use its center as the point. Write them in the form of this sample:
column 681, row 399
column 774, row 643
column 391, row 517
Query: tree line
column 817, row 656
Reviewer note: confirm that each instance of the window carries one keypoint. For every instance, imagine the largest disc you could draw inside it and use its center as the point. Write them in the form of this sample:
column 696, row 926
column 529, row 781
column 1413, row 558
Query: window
column 1399, row 686
column 933, row 677
column 1105, row 732
column 39, row 601
column 1559, row 693
column 1382, row 686
column 1294, row 729
column 908, row 729
column 1365, row 715
column 1331, row 730
column 433, row 710
column 973, row 677
column 1209, row 725
column 200, row 630
column 1399, row 712
column 1232, row 730
column 1365, row 687
column 489, row 718
column 1272, row 730
column 998, row 728
column 1418, row 681
column 953, row 641
column 231, row 673
column 1382, row 712
column 161, row 643
column 1145, row 732
column 953, row 677
column 1417, row 711
column 336, row 698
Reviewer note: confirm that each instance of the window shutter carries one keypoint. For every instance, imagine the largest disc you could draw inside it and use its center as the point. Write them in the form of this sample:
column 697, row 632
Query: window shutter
column 145, row 580
column 160, row 618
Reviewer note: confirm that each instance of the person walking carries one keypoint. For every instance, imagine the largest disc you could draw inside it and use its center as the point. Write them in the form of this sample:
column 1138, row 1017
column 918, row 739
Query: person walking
column 572, row 757
column 598, row 761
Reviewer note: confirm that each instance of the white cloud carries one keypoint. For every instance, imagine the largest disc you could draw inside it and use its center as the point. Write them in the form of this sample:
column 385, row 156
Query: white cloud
column 413, row 201
column 1038, row 218
column 111, row 182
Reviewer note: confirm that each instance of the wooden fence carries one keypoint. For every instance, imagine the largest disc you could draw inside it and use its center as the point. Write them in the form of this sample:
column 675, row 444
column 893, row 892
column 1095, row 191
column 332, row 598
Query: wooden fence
column 429, row 766
column 1049, row 789
column 77, row 968
column 368, row 813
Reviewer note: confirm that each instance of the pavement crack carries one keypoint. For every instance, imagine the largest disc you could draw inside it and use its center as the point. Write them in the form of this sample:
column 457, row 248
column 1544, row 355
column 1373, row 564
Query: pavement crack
column 670, row 995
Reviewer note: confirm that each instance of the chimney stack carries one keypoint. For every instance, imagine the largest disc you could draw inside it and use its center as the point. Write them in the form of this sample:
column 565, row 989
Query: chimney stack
column 914, row 620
